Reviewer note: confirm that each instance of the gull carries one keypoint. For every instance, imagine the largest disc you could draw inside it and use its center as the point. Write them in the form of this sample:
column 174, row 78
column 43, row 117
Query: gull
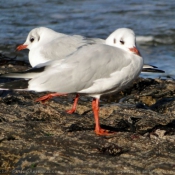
column 45, row 44
column 93, row 70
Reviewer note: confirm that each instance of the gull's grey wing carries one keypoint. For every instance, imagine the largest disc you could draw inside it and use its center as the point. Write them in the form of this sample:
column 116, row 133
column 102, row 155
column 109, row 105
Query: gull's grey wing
column 79, row 70
column 66, row 45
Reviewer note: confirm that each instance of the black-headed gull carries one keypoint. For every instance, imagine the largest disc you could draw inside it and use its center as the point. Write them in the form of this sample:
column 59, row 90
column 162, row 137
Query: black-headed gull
column 93, row 70
column 45, row 45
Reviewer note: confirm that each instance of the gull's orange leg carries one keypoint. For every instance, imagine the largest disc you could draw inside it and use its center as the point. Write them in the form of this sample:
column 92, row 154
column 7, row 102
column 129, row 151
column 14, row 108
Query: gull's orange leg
column 44, row 98
column 98, row 129
column 71, row 111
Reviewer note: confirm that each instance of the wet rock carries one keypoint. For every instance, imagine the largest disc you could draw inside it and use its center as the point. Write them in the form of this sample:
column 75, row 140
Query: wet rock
column 43, row 138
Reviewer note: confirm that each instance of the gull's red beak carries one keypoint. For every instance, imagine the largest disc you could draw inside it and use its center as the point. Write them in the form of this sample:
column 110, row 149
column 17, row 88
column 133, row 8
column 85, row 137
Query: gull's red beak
column 21, row 47
column 135, row 50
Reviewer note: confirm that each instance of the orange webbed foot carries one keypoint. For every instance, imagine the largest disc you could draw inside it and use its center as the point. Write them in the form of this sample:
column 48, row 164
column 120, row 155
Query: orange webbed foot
column 104, row 132
column 44, row 98
column 71, row 111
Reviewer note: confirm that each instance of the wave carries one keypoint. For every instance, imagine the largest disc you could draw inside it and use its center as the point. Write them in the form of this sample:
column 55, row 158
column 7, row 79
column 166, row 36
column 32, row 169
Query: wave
column 159, row 39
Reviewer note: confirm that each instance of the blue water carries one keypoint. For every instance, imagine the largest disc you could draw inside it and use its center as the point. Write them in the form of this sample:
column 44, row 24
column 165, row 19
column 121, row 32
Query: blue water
column 152, row 21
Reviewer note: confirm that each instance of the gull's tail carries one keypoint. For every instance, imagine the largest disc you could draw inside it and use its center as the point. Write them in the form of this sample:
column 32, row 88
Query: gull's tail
column 24, row 77
column 15, row 85
column 151, row 68
column 28, row 74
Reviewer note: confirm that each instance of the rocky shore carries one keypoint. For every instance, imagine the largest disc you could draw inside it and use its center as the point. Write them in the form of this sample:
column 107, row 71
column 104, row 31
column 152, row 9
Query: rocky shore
column 38, row 138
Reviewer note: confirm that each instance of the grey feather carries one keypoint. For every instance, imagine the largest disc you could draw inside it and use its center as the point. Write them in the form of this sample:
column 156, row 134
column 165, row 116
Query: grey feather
column 152, row 70
column 66, row 45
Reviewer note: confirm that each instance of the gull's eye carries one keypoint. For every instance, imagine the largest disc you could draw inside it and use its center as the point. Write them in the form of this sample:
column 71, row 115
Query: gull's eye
column 122, row 42
column 32, row 39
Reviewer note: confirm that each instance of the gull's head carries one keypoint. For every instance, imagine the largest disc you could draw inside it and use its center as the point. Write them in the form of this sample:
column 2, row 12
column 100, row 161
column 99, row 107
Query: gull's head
column 37, row 37
column 123, row 38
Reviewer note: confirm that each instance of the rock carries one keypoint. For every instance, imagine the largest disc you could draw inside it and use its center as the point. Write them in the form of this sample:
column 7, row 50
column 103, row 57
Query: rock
column 43, row 138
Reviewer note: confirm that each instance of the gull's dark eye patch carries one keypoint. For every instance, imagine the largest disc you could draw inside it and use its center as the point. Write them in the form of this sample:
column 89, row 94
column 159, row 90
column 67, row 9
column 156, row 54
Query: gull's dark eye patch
column 122, row 42
column 32, row 39
column 114, row 40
